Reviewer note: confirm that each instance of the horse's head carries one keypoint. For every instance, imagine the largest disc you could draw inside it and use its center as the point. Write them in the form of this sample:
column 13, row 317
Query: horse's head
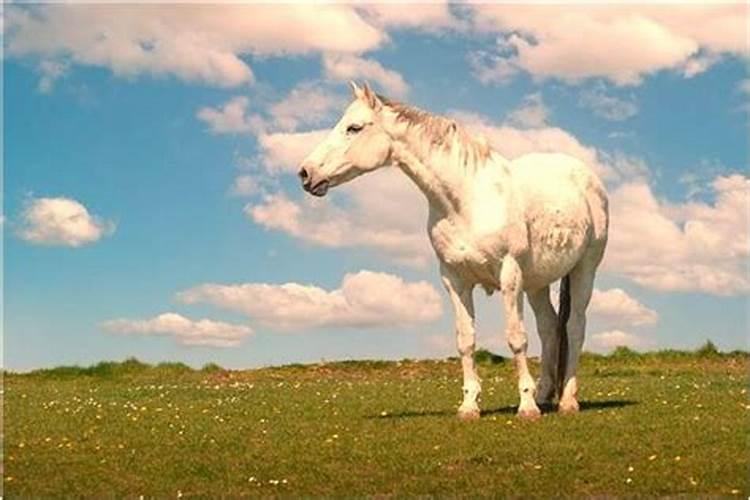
column 357, row 144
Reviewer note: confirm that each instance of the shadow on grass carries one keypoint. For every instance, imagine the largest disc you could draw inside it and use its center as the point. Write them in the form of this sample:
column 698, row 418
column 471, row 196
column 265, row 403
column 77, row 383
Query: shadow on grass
column 508, row 410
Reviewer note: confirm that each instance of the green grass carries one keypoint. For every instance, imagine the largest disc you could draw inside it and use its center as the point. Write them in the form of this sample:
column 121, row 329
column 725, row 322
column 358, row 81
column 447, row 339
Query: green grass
column 668, row 423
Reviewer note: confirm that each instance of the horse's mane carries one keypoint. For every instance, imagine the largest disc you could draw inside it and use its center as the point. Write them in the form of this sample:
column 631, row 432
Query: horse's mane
column 443, row 133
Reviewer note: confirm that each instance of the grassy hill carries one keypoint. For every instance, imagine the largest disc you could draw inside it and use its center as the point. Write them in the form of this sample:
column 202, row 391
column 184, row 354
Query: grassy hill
column 662, row 423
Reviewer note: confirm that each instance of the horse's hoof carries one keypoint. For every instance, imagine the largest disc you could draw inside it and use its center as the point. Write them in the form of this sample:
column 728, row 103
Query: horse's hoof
column 568, row 407
column 530, row 414
column 469, row 415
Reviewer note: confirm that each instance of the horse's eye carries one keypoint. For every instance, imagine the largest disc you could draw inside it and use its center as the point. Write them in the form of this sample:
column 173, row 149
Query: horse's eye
column 353, row 128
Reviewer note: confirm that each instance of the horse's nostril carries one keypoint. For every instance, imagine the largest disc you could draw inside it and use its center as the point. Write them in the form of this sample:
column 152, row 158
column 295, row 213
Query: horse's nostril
column 303, row 174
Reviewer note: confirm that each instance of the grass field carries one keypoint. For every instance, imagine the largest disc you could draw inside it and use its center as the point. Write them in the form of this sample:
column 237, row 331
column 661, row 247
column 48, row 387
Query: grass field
column 657, row 424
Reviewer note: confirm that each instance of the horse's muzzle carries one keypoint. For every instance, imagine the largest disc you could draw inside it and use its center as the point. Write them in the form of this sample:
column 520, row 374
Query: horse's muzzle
column 318, row 189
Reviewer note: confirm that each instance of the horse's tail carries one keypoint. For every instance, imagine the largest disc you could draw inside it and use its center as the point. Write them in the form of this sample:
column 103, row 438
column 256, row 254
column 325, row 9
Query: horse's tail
column 562, row 332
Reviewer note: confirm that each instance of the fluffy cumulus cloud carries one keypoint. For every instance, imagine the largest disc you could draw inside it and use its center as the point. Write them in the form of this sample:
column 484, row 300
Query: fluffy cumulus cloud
column 365, row 299
column 208, row 44
column 513, row 141
column 349, row 67
column 229, row 118
column 282, row 152
column 691, row 246
column 204, row 332
column 532, row 113
column 431, row 16
column 622, row 43
column 616, row 308
column 195, row 43
column 610, row 339
column 385, row 212
column 307, row 104
column 61, row 222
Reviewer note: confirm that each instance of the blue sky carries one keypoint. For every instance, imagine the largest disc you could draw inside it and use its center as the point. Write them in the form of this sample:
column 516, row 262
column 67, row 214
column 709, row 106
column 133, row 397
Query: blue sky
column 128, row 233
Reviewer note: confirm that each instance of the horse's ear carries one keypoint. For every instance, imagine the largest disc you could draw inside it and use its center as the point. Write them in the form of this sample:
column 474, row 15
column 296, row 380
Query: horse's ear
column 355, row 89
column 371, row 98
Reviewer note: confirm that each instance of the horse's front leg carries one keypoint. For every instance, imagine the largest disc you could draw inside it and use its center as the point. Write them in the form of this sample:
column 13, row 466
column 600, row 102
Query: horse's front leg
column 511, row 283
column 463, row 307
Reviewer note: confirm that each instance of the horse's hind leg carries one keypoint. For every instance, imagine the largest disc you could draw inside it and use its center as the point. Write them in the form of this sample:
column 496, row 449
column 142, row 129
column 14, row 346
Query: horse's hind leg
column 581, row 287
column 546, row 325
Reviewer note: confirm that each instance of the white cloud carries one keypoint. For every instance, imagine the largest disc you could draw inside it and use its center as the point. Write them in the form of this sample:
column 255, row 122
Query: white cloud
column 281, row 149
column 306, row 104
column 616, row 308
column 385, row 212
column 691, row 246
column 246, row 185
column 203, row 332
column 230, row 118
column 606, row 341
column 622, row 43
column 61, row 221
column 282, row 152
column 512, row 142
column 206, row 44
column 348, row 67
column 365, row 299
column 699, row 63
column 426, row 16
column 490, row 68
column 532, row 113
column 195, row 43
column 607, row 106
column 613, row 308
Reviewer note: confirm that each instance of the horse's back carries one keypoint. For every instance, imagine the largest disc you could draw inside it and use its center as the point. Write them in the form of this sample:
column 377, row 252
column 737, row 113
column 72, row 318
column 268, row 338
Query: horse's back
column 559, row 181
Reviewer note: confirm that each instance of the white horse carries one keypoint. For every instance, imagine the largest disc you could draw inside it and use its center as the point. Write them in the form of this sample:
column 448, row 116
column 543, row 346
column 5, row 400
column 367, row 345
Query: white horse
column 513, row 226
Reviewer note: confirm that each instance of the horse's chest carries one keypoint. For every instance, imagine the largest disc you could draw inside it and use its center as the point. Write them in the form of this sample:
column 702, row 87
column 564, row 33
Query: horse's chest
column 474, row 256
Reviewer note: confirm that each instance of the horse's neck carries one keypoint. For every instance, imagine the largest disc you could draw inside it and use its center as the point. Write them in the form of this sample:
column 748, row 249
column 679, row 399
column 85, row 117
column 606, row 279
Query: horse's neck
column 442, row 183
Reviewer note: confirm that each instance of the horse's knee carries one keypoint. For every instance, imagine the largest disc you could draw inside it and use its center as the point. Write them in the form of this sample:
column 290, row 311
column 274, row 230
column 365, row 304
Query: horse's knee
column 517, row 341
column 465, row 343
